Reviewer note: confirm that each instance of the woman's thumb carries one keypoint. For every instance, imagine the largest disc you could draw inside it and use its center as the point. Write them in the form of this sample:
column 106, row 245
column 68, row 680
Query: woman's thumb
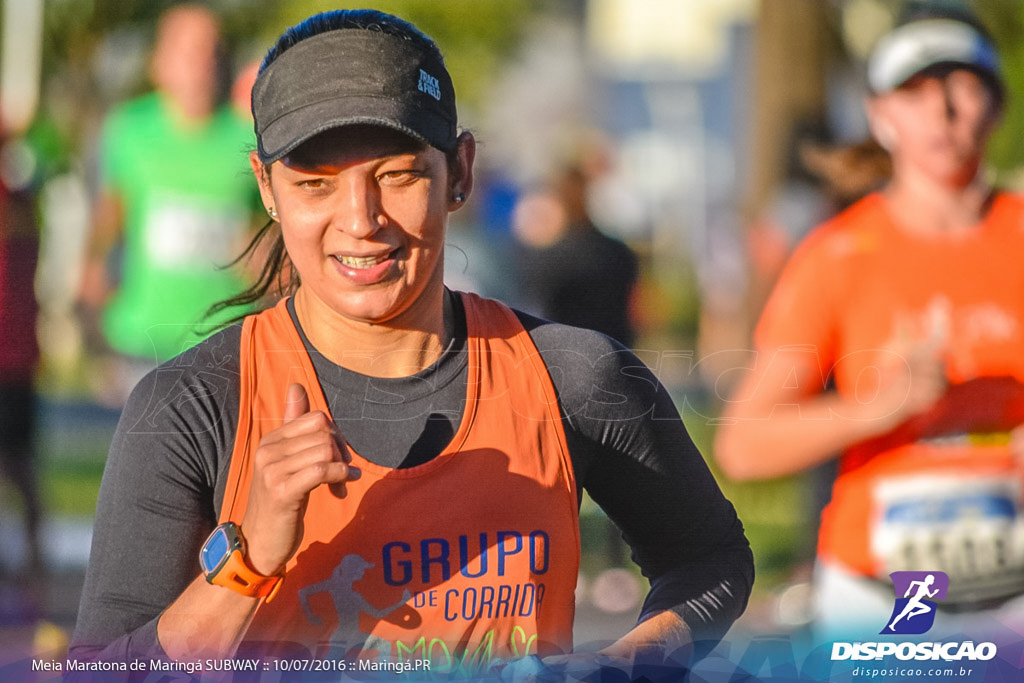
column 296, row 403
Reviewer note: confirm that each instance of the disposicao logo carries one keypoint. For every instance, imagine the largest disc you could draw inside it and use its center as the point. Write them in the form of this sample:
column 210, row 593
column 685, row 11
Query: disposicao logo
column 914, row 614
column 916, row 593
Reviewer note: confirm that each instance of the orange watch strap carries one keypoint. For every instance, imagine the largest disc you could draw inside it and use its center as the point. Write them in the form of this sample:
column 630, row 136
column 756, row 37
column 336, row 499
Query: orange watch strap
column 236, row 575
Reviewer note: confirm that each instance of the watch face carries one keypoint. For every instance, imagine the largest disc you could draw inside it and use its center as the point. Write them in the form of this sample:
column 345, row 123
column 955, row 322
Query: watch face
column 215, row 551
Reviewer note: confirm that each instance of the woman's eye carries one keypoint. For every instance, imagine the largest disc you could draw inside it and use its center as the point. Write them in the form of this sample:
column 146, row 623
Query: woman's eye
column 312, row 184
column 398, row 176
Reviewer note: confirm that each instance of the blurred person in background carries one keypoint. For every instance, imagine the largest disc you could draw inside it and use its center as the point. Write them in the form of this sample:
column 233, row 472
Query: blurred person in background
column 175, row 205
column 569, row 271
column 895, row 337
column 831, row 178
column 370, row 466
column 19, row 346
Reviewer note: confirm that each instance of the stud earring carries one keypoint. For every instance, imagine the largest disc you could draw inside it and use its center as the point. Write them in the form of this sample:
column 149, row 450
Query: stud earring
column 273, row 212
column 459, row 198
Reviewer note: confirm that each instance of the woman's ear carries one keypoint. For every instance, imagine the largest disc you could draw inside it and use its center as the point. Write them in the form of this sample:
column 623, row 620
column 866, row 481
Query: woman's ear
column 262, row 173
column 462, row 174
column 881, row 129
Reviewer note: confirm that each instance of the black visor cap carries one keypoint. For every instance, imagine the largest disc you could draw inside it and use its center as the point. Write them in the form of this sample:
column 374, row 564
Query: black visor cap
column 348, row 77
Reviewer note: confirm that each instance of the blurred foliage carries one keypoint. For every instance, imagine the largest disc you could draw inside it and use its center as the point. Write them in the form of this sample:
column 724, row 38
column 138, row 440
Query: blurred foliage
column 72, row 488
column 474, row 35
column 774, row 512
column 1005, row 19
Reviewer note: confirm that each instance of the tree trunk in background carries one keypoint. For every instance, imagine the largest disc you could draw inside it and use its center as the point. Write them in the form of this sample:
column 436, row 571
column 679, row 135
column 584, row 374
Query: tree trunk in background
column 794, row 44
column 792, row 51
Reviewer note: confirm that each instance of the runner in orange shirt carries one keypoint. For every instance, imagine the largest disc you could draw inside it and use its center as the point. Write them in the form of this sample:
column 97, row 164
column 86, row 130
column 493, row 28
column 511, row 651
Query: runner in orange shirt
column 895, row 337
column 378, row 469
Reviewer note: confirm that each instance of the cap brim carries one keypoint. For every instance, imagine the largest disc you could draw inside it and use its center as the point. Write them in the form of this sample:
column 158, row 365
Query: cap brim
column 280, row 138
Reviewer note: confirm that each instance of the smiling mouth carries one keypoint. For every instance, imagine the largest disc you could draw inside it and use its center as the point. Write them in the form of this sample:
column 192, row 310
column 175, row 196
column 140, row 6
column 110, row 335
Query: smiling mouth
column 362, row 262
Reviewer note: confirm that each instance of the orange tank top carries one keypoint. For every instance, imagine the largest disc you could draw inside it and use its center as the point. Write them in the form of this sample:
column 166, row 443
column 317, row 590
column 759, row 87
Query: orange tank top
column 468, row 558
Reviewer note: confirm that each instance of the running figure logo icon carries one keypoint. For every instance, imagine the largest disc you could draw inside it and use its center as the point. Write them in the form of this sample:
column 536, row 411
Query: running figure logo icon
column 914, row 612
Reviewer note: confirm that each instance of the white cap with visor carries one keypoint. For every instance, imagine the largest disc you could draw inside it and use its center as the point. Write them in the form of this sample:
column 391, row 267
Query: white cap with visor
column 918, row 45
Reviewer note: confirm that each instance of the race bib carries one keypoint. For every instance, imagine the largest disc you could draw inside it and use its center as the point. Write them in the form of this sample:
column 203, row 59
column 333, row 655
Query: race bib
column 970, row 527
column 179, row 235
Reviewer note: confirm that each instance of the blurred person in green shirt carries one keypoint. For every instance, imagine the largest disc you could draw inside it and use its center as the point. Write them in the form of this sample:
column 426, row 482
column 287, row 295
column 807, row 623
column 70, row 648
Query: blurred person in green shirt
column 176, row 197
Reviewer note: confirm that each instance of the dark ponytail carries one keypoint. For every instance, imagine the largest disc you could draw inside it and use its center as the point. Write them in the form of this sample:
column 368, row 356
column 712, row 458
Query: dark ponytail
column 277, row 277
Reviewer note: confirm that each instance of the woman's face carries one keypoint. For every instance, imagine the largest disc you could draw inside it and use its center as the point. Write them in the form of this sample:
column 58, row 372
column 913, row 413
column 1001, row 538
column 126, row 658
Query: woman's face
column 937, row 123
column 363, row 212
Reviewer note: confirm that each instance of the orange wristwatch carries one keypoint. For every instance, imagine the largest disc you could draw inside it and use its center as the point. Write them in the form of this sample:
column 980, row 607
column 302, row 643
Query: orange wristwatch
column 223, row 561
